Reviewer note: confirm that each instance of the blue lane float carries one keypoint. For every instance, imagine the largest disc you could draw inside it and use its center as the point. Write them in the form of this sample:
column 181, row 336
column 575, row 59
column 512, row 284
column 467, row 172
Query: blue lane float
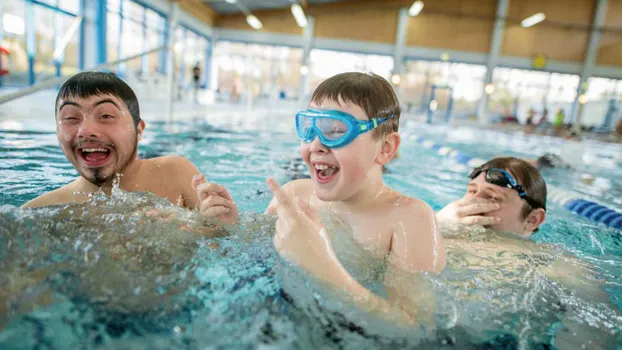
column 566, row 199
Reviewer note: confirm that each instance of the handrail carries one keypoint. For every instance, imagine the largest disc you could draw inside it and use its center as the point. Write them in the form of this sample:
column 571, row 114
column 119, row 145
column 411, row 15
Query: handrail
column 56, row 81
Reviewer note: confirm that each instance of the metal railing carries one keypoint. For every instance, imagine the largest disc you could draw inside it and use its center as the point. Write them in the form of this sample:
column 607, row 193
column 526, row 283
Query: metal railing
column 57, row 81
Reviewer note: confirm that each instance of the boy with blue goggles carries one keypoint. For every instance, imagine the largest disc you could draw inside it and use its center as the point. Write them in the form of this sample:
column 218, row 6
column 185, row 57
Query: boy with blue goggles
column 334, row 128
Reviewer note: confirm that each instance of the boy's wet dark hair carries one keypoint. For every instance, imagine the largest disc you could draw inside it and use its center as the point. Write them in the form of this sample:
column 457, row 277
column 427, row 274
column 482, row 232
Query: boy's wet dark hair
column 371, row 92
column 526, row 175
column 87, row 84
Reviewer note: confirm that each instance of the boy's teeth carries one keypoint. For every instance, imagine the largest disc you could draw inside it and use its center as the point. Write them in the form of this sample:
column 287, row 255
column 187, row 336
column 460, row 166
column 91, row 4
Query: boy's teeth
column 322, row 166
column 94, row 150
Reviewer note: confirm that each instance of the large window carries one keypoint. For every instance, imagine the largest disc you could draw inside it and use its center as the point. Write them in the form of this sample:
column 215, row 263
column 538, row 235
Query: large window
column 261, row 72
column 133, row 29
column 324, row 64
column 465, row 81
column 517, row 91
column 49, row 25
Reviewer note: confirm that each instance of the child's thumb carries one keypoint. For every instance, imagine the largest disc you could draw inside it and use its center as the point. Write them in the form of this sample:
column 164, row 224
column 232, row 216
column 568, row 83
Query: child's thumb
column 308, row 210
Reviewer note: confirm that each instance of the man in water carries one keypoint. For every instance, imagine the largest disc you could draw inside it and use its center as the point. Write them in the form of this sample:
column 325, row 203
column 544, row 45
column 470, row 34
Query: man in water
column 98, row 126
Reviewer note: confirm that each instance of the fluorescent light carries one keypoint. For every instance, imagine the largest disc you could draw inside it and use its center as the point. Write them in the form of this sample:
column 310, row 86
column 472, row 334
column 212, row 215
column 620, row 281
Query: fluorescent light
column 533, row 20
column 231, row 1
column 299, row 15
column 254, row 22
column 13, row 24
column 415, row 8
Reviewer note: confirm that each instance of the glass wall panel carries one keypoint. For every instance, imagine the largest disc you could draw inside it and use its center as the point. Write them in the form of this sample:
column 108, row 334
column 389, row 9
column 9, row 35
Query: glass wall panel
column 15, row 40
column 517, row 91
column 325, row 63
column 262, row 72
column 465, row 80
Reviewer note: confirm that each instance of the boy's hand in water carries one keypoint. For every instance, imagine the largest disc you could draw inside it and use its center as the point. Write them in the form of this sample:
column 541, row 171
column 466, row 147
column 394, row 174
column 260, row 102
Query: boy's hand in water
column 469, row 211
column 215, row 201
column 301, row 238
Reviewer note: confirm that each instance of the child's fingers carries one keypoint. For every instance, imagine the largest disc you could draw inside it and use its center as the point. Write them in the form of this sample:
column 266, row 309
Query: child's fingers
column 476, row 208
column 197, row 180
column 215, row 211
column 211, row 187
column 214, row 201
column 285, row 202
column 480, row 220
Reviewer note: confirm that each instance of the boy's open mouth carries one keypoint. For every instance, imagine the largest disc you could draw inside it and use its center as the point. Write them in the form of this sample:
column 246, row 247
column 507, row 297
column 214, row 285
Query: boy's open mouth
column 94, row 156
column 325, row 173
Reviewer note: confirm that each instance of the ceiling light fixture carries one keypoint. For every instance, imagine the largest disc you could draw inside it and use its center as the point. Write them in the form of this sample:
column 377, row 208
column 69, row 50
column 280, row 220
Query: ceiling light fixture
column 254, row 22
column 533, row 20
column 299, row 15
column 415, row 8
column 231, row 1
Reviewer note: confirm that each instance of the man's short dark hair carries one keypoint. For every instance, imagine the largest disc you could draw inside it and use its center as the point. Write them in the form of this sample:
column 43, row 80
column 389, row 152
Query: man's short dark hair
column 526, row 175
column 87, row 84
column 371, row 92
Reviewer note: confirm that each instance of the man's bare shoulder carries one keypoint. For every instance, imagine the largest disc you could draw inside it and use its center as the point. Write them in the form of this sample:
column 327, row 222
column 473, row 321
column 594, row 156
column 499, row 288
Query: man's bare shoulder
column 171, row 162
column 58, row 196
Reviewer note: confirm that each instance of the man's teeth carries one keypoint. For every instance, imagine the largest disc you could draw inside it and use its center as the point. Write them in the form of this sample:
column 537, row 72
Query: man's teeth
column 94, row 150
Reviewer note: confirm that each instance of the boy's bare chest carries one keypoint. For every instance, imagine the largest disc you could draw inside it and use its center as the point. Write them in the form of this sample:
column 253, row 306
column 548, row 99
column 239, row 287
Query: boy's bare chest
column 372, row 232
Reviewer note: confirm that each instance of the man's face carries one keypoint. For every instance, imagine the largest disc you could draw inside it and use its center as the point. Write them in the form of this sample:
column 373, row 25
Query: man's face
column 97, row 135
column 510, row 203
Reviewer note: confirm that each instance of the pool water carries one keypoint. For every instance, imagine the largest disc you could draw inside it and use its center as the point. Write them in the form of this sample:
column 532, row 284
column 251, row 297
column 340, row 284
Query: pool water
column 106, row 275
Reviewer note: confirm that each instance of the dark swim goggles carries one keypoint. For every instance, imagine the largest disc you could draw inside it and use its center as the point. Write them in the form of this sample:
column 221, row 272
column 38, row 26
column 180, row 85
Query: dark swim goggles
column 334, row 128
column 502, row 178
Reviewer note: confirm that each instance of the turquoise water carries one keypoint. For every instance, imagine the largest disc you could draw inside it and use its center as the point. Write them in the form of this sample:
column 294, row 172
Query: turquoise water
column 106, row 275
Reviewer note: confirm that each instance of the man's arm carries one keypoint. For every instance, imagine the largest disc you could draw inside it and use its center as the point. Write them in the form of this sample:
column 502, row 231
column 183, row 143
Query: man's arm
column 58, row 196
column 181, row 170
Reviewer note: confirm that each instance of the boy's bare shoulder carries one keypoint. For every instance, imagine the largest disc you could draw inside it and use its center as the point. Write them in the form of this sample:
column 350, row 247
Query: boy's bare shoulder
column 300, row 187
column 405, row 205
column 58, row 196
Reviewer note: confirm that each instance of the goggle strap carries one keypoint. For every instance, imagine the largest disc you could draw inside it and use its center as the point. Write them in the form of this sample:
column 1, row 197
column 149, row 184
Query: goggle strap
column 375, row 121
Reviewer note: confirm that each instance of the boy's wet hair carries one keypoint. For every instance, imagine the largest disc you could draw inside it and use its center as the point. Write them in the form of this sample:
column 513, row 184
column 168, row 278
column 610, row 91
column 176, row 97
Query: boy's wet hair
column 87, row 84
column 371, row 92
column 526, row 175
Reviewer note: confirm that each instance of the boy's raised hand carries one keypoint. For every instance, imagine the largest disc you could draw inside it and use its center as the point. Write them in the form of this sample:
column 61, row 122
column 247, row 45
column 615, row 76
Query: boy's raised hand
column 300, row 236
column 215, row 201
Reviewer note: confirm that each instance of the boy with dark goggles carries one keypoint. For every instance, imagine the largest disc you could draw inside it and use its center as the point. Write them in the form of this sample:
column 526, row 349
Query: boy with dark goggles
column 502, row 178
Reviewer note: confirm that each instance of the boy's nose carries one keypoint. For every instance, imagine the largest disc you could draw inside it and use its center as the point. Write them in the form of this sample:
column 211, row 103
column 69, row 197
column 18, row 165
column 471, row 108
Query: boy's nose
column 317, row 146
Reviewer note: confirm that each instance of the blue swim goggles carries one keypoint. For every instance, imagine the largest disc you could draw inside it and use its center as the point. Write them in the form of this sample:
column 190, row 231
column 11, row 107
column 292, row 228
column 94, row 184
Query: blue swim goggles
column 334, row 128
column 502, row 178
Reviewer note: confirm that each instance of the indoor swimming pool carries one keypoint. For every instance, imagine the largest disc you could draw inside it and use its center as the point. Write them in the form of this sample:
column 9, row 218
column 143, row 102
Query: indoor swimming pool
column 106, row 275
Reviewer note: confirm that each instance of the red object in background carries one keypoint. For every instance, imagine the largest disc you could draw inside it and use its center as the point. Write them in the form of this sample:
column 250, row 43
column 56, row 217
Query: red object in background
column 5, row 52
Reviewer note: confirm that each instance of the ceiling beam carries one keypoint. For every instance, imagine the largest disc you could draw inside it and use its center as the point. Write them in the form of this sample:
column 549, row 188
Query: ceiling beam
column 199, row 10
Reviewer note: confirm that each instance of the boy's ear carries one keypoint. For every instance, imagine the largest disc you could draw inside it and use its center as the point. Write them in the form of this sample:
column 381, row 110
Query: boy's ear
column 534, row 219
column 388, row 150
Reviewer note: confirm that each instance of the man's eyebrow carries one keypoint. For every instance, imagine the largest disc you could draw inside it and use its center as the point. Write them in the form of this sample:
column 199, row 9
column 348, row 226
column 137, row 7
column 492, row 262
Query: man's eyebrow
column 68, row 103
column 107, row 100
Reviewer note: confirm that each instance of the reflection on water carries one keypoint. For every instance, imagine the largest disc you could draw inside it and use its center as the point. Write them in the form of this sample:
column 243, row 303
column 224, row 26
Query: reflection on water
column 106, row 274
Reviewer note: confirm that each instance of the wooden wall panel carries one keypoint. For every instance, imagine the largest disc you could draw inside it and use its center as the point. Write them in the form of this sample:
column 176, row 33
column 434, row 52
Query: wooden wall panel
column 610, row 50
column 274, row 21
column 465, row 25
column 378, row 25
column 199, row 10
column 564, row 35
